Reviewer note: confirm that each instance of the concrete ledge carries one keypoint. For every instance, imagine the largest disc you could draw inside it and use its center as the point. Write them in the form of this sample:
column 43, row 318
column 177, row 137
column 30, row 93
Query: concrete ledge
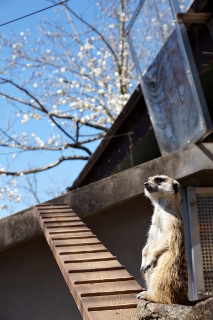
column 192, row 166
column 18, row 227
column 127, row 184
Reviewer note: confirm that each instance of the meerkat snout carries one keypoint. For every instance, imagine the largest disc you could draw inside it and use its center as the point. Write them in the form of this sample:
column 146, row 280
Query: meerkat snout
column 145, row 184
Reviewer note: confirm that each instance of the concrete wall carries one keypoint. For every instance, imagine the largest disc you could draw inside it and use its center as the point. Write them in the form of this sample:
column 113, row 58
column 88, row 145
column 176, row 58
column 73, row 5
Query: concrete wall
column 32, row 286
column 123, row 230
column 112, row 191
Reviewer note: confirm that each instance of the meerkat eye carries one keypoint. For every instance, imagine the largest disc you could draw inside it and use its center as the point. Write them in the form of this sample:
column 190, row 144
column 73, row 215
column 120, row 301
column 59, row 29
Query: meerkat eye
column 159, row 180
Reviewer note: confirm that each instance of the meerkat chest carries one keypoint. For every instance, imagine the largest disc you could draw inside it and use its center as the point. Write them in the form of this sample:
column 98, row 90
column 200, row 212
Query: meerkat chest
column 159, row 225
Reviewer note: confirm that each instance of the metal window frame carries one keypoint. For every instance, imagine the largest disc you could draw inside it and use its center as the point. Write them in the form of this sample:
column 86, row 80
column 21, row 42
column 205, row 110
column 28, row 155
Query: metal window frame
column 207, row 126
column 193, row 243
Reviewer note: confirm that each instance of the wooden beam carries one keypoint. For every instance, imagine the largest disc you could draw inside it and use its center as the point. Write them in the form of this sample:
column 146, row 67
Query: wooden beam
column 193, row 17
column 100, row 285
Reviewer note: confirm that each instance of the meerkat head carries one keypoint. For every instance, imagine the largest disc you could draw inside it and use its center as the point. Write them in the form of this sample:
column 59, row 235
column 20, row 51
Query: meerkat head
column 161, row 187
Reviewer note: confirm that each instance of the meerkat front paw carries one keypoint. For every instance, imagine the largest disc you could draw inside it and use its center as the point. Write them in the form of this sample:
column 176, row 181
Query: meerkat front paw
column 142, row 295
column 150, row 262
column 147, row 264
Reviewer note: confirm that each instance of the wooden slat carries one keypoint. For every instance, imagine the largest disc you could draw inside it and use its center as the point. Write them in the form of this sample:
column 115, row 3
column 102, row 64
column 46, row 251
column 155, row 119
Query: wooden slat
column 70, row 229
column 76, row 242
column 109, row 301
column 65, row 225
column 61, row 218
column 193, row 17
column 75, row 235
column 99, row 277
column 108, row 288
column 100, row 285
column 55, row 210
column 73, row 267
column 81, row 249
column 117, row 314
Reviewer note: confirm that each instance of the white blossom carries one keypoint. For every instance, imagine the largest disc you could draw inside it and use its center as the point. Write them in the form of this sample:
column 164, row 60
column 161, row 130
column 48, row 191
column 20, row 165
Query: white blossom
column 25, row 119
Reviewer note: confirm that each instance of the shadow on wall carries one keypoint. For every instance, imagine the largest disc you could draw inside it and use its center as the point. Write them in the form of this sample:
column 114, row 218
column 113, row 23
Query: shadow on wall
column 123, row 230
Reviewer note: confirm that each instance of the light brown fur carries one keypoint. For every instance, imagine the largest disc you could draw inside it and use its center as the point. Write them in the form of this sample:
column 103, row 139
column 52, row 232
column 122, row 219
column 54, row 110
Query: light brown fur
column 163, row 257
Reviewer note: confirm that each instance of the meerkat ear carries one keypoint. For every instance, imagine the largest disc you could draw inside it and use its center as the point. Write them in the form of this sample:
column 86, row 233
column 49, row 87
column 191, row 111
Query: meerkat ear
column 176, row 186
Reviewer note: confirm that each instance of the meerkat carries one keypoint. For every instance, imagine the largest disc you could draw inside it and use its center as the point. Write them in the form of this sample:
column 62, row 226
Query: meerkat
column 163, row 258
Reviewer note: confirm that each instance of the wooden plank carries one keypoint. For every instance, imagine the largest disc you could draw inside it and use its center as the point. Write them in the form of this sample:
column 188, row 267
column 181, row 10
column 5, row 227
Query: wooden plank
column 51, row 213
column 100, row 285
column 57, row 218
column 119, row 314
column 57, row 210
column 73, row 267
column 101, row 276
column 64, row 238
column 79, row 249
column 99, row 256
column 193, row 17
column 78, row 228
column 57, row 224
column 75, row 242
column 76, row 235
column 108, row 288
column 110, row 301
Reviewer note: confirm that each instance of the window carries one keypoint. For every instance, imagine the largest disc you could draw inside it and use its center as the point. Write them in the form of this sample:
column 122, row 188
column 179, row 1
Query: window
column 168, row 76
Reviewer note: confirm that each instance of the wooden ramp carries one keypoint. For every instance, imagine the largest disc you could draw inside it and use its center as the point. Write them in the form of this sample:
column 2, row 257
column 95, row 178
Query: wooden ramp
column 100, row 285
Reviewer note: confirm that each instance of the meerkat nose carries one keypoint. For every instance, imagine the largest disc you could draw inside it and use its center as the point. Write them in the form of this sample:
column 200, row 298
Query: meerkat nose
column 146, row 184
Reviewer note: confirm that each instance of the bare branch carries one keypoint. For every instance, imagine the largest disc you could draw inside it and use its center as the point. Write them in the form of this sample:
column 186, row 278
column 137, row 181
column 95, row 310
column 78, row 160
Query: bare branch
column 40, row 104
column 44, row 168
column 32, row 189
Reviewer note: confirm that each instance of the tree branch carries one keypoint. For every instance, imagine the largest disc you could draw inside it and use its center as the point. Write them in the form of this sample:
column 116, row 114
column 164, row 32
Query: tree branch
column 50, row 114
column 96, row 31
column 40, row 104
column 44, row 168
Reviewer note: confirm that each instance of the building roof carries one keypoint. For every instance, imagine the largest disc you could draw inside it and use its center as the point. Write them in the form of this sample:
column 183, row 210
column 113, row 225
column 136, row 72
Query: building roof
column 114, row 147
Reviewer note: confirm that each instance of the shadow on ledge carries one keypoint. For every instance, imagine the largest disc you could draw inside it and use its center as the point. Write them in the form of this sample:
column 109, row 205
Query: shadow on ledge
column 199, row 310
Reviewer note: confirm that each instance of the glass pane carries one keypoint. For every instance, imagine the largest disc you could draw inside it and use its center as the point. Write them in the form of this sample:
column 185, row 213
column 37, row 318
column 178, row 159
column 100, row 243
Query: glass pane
column 165, row 80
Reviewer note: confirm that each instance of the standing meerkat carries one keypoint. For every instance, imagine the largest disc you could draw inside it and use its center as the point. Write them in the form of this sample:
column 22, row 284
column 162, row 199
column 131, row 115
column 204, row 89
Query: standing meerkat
column 163, row 257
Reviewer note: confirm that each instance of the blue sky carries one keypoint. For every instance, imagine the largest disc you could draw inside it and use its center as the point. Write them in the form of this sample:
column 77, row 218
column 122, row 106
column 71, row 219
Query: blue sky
column 63, row 175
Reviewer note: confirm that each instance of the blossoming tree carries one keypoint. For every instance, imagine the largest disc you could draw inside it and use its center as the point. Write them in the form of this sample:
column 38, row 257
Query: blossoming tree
column 63, row 89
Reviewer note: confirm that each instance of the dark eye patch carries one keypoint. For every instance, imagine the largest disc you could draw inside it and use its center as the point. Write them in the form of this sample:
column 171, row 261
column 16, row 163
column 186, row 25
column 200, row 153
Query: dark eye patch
column 159, row 180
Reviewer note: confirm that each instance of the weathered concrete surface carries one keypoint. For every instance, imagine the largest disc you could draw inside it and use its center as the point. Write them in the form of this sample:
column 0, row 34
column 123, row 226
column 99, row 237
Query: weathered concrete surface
column 18, row 227
column 202, row 310
column 23, row 225
column 192, row 166
column 127, row 184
